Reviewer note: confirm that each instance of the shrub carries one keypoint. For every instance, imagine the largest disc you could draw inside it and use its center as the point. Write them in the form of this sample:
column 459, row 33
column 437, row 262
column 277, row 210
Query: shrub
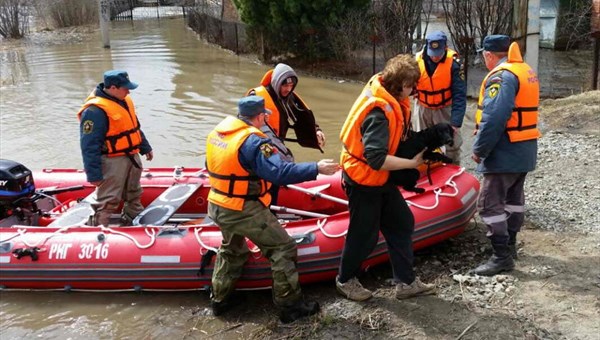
column 14, row 18
column 67, row 13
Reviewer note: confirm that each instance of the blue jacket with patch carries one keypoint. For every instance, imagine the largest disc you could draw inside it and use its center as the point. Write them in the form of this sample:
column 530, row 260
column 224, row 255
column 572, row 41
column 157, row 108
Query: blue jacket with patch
column 92, row 131
column 271, row 167
column 491, row 144
column 458, row 87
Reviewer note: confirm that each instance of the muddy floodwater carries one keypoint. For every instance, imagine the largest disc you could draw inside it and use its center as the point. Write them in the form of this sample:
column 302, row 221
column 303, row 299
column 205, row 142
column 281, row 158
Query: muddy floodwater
column 186, row 88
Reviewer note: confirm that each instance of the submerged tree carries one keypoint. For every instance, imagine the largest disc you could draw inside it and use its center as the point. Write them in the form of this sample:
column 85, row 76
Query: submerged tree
column 67, row 13
column 396, row 22
column 14, row 18
column 470, row 20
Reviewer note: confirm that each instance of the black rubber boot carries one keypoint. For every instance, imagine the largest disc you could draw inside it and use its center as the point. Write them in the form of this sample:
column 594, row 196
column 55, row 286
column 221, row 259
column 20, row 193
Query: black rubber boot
column 512, row 245
column 218, row 308
column 512, row 248
column 494, row 266
column 298, row 310
column 230, row 302
column 500, row 261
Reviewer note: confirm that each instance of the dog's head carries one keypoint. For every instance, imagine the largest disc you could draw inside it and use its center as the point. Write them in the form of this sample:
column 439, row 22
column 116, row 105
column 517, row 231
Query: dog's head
column 441, row 134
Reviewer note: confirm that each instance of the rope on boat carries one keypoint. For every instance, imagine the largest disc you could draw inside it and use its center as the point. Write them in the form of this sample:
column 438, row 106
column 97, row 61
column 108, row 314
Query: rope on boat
column 199, row 239
column 152, row 236
column 60, row 204
column 320, row 225
column 21, row 232
column 439, row 192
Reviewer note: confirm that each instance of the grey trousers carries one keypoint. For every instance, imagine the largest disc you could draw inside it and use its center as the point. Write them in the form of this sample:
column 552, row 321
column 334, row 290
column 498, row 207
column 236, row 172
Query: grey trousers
column 501, row 203
column 121, row 183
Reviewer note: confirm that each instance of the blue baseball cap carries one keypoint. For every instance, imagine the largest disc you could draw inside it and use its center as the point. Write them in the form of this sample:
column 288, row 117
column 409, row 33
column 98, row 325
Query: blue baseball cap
column 436, row 43
column 118, row 79
column 495, row 43
column 252, row 106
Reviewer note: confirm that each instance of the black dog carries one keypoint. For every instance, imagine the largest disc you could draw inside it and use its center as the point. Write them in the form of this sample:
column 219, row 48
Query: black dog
column 431, row 138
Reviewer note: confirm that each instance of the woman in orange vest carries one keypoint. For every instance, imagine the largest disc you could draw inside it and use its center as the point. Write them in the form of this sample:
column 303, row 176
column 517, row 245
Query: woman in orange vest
column 505, row 147
column 377, row 123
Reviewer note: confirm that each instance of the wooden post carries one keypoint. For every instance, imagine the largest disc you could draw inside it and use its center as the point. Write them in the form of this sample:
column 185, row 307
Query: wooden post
column 466, row 41
column 519, row 32
column 596, row 36
column 104, row 15
column 533, row 34
column 237, row 40
column 157, row 9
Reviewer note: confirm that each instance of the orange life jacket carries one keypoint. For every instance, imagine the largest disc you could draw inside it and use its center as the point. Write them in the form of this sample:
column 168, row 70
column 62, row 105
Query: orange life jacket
column 228, row 179
column 435, row 91
column 275, row 116
column 522, row 125
column 123, row 136
column 374, row 95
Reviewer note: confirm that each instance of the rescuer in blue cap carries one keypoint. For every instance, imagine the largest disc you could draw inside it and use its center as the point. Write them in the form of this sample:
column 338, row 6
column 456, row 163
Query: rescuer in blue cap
column 243, row 164
column 505, row 147
column 441, row 89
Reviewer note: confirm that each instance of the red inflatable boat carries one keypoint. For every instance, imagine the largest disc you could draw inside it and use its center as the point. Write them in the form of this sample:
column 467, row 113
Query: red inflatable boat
column 44, row 243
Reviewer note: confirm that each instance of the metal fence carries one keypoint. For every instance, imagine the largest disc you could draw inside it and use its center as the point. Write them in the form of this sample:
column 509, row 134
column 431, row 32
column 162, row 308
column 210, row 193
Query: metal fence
column 229, row 35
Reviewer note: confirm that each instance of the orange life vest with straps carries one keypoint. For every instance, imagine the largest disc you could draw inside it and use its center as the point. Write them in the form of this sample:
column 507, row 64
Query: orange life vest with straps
column 228, row 179
column 435, row 91
column 373, row 95
column 522, row 125
column 275, row 116
column 123, row 136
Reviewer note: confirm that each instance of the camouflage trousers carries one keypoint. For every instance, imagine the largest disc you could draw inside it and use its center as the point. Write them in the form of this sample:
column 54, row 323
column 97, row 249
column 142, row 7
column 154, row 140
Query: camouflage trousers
column 121, row 183
column 429, row 117
column 258, row 224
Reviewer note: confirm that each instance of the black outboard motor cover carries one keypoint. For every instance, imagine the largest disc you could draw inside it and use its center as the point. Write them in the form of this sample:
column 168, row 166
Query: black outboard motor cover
column 16, row 181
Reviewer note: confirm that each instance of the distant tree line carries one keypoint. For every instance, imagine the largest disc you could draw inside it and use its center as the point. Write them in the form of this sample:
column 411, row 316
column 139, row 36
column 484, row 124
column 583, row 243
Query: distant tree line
column 15, row 15
column 341, row 30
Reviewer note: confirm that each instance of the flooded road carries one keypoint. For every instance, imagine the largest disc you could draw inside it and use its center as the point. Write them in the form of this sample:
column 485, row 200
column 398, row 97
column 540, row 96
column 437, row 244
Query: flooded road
column 186, row 88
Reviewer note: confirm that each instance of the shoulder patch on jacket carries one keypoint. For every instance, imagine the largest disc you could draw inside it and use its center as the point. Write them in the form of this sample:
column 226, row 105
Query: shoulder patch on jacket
column 493, row 90
column 267, row 150
column 88, row 127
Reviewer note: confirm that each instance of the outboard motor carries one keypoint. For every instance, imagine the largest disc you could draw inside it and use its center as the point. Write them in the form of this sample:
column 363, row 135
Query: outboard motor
column 16, row 188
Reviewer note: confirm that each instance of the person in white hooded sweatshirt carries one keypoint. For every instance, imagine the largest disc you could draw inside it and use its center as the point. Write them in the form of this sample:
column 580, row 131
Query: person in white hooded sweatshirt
column 289, row 111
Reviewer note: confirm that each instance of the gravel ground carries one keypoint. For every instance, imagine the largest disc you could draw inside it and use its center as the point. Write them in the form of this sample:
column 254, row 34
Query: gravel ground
column 563, row 193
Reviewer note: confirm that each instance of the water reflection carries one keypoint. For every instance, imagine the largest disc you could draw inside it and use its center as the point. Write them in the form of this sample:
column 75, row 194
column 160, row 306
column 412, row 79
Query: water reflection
column 186, row 87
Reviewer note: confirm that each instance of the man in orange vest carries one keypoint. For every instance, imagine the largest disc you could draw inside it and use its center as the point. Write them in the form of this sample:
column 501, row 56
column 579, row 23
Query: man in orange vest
column 505, row 147
column 111, row 141
column 441, row 90
column 242, row 164
column 377, row 123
